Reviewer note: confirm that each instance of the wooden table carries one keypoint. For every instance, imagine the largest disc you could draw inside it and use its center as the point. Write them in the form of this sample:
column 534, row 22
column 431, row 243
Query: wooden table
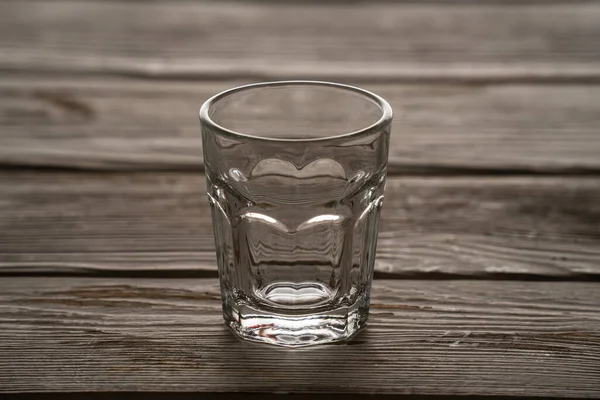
column 488, row 264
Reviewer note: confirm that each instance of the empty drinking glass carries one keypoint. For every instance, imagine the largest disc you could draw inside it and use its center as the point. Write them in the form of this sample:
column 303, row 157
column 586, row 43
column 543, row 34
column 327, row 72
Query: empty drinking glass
column 295, row 173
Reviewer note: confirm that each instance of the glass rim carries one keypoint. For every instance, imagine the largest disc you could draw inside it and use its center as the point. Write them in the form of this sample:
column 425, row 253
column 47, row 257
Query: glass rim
column 386, row 111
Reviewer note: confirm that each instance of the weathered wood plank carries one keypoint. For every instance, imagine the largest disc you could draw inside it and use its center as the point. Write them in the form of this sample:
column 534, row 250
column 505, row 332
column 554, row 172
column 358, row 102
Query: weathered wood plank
column 128, row 124
column 376, row 41
column 424, row 337
column 87, row 223
column 347, row 2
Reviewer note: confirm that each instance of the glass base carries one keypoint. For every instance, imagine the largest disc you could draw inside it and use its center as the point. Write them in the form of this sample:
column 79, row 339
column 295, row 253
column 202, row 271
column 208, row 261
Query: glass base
column 294, row 329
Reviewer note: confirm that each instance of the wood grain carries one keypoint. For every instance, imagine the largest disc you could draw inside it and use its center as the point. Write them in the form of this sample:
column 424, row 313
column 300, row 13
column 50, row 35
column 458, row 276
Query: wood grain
column 383, row 41
column 347, row 2
column 159, row 223
column 125, row 124
column 424, row 337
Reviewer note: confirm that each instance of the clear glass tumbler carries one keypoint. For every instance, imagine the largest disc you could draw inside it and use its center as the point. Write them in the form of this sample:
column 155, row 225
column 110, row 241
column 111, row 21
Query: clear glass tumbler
column 295, row 174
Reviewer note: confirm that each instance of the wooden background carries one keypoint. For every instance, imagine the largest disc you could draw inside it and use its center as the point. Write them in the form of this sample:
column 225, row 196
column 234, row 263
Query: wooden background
column 489, row 250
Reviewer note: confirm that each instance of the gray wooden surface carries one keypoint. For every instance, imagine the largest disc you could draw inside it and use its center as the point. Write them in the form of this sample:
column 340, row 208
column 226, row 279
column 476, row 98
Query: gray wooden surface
column 425, row 337
column 488, row 263
column 449, row 227
column 368, row 40
column 115, row 124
